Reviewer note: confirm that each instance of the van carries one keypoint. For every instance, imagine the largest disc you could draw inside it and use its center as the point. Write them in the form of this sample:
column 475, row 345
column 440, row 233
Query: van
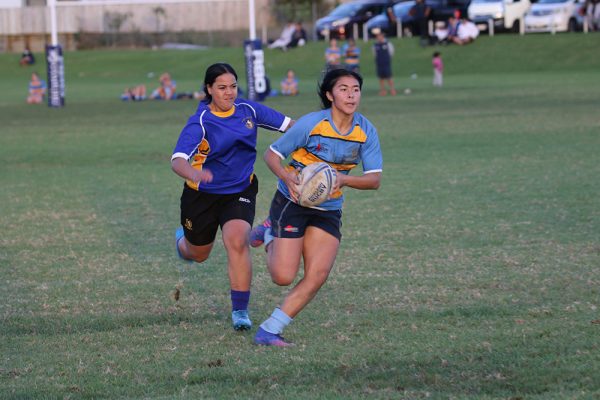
column 506, row 15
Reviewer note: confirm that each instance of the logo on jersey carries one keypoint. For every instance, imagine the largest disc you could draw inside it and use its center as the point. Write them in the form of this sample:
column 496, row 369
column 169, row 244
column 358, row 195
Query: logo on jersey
column 249, row 123
column 188, row 224
column 290, row 228
column 245, row 200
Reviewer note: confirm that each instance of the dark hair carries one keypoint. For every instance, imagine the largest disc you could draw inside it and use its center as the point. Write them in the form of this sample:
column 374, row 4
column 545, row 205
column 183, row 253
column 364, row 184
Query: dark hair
column 436, row 54
column 329, row 81
column 211, row 75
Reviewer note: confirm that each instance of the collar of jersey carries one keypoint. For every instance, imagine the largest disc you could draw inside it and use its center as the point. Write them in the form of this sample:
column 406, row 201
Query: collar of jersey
column 329, row 118
column 223, row 114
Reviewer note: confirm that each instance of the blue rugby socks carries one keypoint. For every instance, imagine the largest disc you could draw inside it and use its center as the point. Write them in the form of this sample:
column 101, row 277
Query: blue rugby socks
column 276, row 322
column 239, row 300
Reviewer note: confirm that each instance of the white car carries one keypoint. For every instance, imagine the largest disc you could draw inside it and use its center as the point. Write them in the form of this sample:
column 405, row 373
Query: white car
column 554, row 16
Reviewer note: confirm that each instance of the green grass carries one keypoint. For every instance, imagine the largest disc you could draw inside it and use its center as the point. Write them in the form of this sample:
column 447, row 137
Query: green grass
column 473, row 273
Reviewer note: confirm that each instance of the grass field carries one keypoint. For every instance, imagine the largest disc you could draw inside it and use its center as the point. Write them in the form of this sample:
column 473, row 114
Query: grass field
column 473, row 273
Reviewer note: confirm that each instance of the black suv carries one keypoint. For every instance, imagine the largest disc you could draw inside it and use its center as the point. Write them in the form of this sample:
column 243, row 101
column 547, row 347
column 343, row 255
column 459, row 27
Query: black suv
column 340, row 21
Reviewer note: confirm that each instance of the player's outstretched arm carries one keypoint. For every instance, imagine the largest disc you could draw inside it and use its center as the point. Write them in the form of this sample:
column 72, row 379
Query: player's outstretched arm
column 369, row 181
column 182, row 168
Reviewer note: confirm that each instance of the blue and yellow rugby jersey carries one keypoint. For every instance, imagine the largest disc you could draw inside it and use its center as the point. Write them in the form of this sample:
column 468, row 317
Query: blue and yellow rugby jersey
column 314, row 138
column 225, row 143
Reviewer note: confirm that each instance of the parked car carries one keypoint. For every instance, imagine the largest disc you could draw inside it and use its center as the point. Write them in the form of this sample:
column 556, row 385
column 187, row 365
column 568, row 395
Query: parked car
column 441, row 10
column 340, row 21
column 505, row 14
column 555, row 16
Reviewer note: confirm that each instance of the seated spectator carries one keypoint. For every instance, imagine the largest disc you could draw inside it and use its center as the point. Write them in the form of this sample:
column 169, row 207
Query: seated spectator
column 289, row 85
column 166, row 90
column 285, row 38
column 451, row 32
column 135, row 93
column 298, row 37
column 37, row 89
column 467, row 32
column 27, row 58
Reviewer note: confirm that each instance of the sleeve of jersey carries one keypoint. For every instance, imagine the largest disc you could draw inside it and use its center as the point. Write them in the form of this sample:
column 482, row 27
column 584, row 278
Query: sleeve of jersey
column 270, row 119
column 295, row 138
column 189, row 139
column 370, row 153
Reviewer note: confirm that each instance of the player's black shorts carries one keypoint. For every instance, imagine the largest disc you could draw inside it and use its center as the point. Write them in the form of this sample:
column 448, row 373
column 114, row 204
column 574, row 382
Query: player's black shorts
column 203, row 213
column 289, row 220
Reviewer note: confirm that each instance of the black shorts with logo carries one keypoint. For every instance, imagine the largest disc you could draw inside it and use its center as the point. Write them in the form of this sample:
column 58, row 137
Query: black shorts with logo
column 203, row 213
column 290, row 220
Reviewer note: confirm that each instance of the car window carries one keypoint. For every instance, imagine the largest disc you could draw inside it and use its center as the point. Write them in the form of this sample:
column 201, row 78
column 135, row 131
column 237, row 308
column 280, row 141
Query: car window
column 551, row 1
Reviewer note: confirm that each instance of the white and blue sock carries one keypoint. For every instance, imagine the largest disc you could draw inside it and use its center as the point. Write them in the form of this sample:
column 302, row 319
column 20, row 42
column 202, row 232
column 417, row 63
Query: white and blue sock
column 276, row 322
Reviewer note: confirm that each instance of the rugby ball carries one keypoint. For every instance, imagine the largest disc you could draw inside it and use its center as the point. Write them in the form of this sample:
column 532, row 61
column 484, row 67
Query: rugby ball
column 316, row 182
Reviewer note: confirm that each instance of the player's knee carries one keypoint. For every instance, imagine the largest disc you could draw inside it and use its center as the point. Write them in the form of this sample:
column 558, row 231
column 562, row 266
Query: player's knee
column 282, row 278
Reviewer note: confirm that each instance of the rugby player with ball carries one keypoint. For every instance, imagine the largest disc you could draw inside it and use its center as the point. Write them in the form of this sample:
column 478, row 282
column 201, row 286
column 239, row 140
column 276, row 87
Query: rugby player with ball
column 306, row 212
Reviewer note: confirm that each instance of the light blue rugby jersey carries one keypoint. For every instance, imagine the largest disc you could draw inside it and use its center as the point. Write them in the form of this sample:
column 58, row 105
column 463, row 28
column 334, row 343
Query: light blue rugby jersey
column 314, row 138
column 225, row 143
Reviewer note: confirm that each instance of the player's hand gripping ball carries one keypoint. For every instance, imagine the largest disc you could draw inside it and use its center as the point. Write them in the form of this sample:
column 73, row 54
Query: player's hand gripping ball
column 316, row 182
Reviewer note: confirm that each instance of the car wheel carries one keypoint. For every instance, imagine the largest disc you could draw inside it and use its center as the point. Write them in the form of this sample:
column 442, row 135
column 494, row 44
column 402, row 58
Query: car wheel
column 572, row 25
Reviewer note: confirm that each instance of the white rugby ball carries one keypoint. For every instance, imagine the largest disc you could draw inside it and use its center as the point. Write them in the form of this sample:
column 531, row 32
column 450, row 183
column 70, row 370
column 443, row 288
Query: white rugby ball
column 316, row 182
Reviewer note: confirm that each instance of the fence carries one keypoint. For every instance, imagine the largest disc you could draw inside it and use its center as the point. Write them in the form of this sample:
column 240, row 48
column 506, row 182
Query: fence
column 129, row 21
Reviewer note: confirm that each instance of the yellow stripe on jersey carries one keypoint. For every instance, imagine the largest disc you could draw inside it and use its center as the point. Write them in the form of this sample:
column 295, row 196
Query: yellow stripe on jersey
column 198, row 160
column 325, row 129
column 304, row 157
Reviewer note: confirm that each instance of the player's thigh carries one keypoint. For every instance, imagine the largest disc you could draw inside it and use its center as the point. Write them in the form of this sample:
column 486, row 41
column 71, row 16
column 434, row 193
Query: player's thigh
column 283, row 259
column 320, row 249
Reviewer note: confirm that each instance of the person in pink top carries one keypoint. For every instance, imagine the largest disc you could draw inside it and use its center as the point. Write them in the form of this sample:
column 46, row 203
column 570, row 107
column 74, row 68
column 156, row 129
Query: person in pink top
column 438, row 69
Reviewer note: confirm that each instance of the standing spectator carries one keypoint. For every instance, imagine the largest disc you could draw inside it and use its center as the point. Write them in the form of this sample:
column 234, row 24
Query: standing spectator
column 27, row 58
column 438, row 69
column 351, row 54
column 286, row 37
column 384, row 52
column 421, row 11
column 298, row 37
column 215, row 156
column 289, row 85
column 592, row 8
column 333, row 56
column 37, row 89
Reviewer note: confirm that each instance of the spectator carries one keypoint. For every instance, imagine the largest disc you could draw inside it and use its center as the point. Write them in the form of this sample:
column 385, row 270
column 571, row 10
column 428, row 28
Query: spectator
column 135, row 93
column 421, row 11
column 289, row 85
column 27, row 58
column 467, row 32
column 333, row 56
column 37, row 89
column 351, row 53
column 451, row 31
column 166, row 90
column 592, row 10
column 384, row 51
column 298, row 37
column 438, row 69
column 285, row 38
